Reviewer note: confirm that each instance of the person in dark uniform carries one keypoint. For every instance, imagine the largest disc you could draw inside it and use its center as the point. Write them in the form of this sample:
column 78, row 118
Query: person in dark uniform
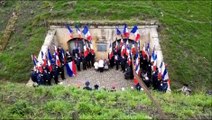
column 129, row 73
column 78, row 61
column 83, row 62
column 61, row 71
column 92, row 59
column 116, row 57
column 155, row 81
column 123, row 63
column 47, row 77
column 87, row 86
column 55, row 74
column 34, row 76
column 88, row 60
column 68, row 56
column 40, row 78
column 112, row 62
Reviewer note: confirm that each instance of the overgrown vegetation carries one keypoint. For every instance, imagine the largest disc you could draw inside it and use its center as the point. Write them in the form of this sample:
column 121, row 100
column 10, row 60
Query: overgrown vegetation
column 18, row 101
column 185, row 33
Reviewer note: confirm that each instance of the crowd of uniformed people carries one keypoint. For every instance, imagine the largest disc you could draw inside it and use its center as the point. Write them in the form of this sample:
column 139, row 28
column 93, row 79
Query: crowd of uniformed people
column 44, row 76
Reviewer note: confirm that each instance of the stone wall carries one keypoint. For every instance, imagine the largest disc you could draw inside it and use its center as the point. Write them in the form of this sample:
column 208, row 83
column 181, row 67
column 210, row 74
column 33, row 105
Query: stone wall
column 107, row 34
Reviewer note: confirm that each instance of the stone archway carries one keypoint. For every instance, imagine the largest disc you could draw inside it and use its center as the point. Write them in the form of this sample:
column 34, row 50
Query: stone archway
column 76, row 42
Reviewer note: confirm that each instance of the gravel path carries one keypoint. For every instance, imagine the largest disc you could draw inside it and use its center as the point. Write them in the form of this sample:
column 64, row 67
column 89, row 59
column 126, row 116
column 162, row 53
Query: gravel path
column 106, row 79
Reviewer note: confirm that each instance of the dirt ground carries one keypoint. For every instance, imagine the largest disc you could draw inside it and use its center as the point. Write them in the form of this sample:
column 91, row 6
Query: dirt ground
column 106, row 79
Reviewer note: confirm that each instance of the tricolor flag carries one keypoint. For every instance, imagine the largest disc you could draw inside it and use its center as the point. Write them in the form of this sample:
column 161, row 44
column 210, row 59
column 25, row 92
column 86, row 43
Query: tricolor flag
column 125, row 31
column 57, row 60
column 133, row 49
column 34, row 60
column 136, row 33
column 110, row 51
column 49, row 56
column 165, row 75
column 91, row 47
column 86, row 33
column 79, row 32
column 148, row 51
column 118, row 32
column 70, row 31
column 85, row 49
column 49, row 65
column 160, row 70
column 43, row 56
column 154, row 65
column 121, row 43
column 127, row 50
column 144, row 53
column 123, row 50
column 71, row 69
column 137, row 64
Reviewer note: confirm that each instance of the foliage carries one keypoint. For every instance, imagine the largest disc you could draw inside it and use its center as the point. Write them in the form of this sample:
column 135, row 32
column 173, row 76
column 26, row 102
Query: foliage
column 18, row 101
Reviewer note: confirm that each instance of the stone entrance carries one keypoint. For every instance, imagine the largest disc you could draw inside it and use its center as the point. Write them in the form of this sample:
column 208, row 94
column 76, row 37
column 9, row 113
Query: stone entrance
column 103, row 35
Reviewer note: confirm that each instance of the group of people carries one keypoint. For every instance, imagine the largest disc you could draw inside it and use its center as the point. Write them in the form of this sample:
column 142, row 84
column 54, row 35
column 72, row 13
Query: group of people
column 43, row 73
column 150, row 77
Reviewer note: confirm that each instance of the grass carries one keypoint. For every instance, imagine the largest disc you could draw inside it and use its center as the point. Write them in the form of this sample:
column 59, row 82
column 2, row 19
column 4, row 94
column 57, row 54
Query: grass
column 18, row 101
column 185, row 33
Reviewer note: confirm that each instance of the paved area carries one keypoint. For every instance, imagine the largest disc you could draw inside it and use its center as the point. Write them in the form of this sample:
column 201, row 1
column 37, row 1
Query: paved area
column 106, row 79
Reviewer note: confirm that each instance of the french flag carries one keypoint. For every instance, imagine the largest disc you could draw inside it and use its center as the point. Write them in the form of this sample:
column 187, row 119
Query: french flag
column 70, row 31
column 34, row 60
column 126, row 32
column 148, row 50
column 49, row 55
column 85, row 50
column 118, row 32
column 160, row 70
column 71, row 69
column 43, row 55
column 154, row 62
column 123, row 50
column 49, row 65
column 79, row 32
column 87, row 34
column 129, row 61
column 128, row 50
column 165, row 75
column 91, row 47
column 110, row 51
column 144, row 55
column 133, row 49
column 136, row 33
column 137, row 64
column 57, row 60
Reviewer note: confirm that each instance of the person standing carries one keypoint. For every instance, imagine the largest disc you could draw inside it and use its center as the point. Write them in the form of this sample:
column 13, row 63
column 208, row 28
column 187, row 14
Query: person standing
column 78, row 61
column 123, row 63
column 117, row 61
column 55, row 74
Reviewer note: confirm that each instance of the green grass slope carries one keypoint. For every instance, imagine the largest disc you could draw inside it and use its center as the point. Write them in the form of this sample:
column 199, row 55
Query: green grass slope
column 185, row 33
column 18, row 101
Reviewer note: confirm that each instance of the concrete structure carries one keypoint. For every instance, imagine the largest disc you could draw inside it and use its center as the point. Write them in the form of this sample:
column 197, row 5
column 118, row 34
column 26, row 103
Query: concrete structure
column 107, row 34
column 101, row 34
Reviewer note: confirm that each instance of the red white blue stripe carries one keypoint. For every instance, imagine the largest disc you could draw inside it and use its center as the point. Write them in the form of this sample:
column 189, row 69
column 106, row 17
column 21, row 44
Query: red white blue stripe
column 136, row 33
column 125, row 31
column 86, row 33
